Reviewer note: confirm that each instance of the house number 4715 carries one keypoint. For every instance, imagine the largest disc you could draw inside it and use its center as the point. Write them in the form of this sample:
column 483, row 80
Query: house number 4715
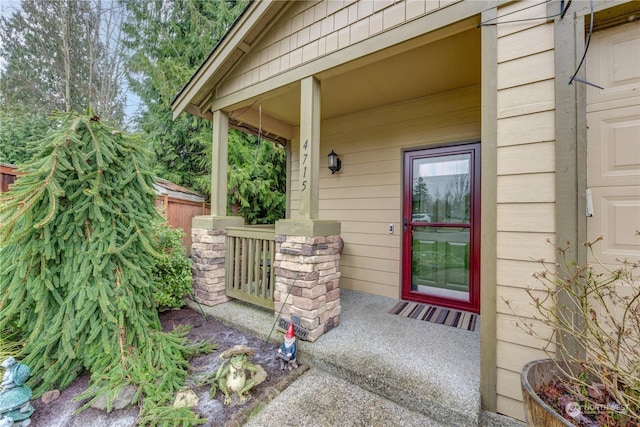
column 305, row 156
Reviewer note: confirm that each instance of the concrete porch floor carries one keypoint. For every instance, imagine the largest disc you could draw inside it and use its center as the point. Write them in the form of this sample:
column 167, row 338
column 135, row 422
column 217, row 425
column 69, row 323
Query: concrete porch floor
column 374, row 369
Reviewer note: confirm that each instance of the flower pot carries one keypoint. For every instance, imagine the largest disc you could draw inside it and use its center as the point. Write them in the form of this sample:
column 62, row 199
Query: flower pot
column 532, row 377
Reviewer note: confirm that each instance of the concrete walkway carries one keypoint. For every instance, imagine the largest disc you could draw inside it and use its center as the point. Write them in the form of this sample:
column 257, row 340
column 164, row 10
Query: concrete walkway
column 374, row 369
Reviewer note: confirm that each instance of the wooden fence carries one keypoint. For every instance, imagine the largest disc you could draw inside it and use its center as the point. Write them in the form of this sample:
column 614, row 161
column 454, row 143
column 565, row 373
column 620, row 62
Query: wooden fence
column 179, row 214
column 7, row 176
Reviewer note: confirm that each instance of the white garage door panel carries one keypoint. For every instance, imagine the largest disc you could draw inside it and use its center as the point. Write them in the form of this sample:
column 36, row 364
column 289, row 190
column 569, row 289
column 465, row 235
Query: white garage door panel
column 614, row 146
column 616, row 215
column 614, row 63
column 613, row 143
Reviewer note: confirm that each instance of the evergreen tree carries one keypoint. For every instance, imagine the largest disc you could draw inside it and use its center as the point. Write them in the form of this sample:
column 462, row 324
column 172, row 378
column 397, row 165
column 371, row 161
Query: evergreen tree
column 63, row 55
column 169, row 41
column 257, row 179
column 19, row 129
column 77, row 256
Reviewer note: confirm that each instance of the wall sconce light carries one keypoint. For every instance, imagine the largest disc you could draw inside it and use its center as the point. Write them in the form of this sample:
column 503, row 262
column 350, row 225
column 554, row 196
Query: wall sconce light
column 334, row 162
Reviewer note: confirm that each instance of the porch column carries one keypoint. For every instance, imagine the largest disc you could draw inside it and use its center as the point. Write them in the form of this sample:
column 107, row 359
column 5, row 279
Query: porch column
column 308, row 249
column 219, row 163
column 209, row 232
column 309, row 147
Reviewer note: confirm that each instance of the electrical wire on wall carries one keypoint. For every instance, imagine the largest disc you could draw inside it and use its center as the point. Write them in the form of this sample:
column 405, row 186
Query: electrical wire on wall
column 584, row 55
column 563, row 10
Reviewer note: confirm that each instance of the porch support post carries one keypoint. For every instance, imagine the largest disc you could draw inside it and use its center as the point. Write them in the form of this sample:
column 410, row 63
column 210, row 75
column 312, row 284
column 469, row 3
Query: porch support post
column 219, row 163
column 309, row 147
column 209, row 232
column 488, row 221
column 308, row 249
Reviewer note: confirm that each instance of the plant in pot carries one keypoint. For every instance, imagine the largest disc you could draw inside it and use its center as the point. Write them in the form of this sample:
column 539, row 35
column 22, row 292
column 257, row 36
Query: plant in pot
column 592, row 376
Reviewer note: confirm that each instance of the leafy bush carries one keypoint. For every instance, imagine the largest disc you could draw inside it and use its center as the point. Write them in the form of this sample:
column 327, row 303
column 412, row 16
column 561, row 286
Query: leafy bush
column 172, row 272
column 599, row 306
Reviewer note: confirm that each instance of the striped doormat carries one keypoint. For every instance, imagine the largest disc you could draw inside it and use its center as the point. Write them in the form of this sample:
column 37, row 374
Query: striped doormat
column 430, row 313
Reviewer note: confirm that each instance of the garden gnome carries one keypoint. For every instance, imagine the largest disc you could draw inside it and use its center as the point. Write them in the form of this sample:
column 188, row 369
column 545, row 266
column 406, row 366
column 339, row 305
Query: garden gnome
column 15, row 408
column 287, row 350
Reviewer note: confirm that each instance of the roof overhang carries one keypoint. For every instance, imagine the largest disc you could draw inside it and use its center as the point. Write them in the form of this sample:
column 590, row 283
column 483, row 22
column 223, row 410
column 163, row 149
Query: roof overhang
column 195, row 96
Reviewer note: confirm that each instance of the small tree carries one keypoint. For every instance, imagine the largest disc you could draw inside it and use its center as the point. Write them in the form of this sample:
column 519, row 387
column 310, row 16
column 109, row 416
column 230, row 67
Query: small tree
column 76, row 242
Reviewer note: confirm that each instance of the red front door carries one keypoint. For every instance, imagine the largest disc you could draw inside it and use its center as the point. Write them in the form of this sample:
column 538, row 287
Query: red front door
column 441, row 227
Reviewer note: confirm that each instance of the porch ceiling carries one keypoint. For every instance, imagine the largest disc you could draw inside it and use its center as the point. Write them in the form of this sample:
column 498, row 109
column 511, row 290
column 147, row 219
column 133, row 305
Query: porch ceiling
column 443, row 65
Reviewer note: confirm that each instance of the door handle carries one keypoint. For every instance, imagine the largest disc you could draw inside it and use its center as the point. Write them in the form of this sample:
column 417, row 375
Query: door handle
column 404, row 225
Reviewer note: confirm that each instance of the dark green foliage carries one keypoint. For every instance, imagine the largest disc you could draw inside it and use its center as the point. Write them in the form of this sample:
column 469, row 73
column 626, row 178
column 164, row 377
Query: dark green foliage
column 172, row 272
column 76, row 235
column 19, row 129
column 169, row 41
column 256, row 179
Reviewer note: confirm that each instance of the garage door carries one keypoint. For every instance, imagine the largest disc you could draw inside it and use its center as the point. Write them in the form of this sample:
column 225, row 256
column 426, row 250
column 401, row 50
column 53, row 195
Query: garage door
column 613, row 142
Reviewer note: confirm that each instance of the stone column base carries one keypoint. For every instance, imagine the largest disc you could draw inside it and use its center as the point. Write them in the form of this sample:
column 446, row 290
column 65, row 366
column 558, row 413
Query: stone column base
column 307, row 281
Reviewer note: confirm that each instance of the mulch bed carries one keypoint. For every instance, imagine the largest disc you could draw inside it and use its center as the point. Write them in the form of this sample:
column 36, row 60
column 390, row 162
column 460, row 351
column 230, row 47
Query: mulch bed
column 203, row 328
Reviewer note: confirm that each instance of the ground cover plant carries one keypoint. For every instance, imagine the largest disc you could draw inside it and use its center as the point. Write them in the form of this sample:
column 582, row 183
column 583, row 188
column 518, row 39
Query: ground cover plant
column 76, row 237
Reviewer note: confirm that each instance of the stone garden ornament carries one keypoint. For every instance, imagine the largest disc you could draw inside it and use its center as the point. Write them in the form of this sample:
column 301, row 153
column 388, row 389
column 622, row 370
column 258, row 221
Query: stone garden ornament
column 231, row 376
column 15, row 408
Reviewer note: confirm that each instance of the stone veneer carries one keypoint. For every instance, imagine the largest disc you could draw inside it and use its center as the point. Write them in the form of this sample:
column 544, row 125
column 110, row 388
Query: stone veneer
column 310, row 264
column 208, row 250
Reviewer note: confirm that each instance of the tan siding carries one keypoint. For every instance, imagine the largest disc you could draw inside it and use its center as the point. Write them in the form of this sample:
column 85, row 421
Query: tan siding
column 524, row 246
column 525, row 187
column 531, row 217
column 526, row 9
column 525, row 129
column 510, row 355
column 309, row 30
column 516, row 45
column 366, row 195
column 510, row 407
column 508, row 332
column 517, row 273
column 530, row 188
column 527, row 99
column 526, row 70
column 530, row 158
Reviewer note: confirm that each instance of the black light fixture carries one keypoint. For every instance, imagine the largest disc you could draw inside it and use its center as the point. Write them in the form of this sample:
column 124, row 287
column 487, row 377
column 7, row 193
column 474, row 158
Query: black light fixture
column 334, row 162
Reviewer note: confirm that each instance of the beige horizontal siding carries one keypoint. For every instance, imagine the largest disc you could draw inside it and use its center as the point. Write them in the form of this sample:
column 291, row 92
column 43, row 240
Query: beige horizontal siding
column 526, row 70
column 534, row 127
column 524, row 246
column 525, row 188
column 510, row 355
column 510, row 407
column 508, row 322
column 523, row 12
column 517, row 45
column 518, row 273
column 529, row 217
column 311, row 29
column 525, row 159
column 366, row 195
column 522, row 100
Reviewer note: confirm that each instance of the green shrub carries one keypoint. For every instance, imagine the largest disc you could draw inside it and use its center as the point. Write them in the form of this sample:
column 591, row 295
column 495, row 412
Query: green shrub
column 172, row 272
